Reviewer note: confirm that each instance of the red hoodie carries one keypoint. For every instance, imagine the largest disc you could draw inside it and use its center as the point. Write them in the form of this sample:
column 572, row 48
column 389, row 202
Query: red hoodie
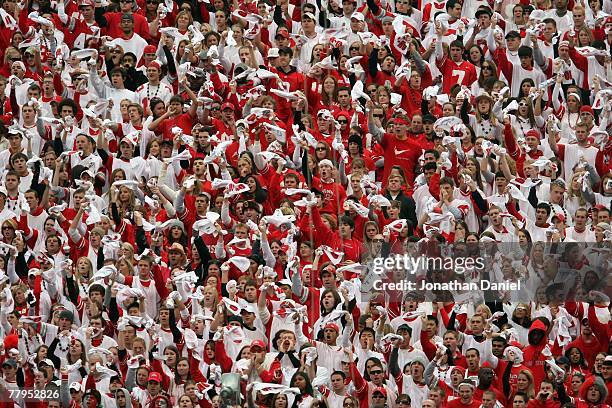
column 532, row 354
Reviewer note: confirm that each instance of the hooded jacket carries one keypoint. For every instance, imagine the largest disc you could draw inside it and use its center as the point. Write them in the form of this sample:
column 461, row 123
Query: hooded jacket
column 128, row 397
column 532, row 354
column 597, row 382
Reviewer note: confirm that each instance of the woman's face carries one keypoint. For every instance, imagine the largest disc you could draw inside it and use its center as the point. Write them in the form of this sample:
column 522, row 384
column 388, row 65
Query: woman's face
column 522, row 382
column 522, row 238
column 584, row 39
column 159, row 109
column 154, row 149
column 281, row 401
column 383, row 97
column 525, row 87
column 300, row 382
column 574, row 356
column 329, row 85
column 76, row 348
column 182, row 368
column 484, row 105
column 83, row 267
column 316, row 52
column 475, row 55
column 170, row 357
column 371, row 231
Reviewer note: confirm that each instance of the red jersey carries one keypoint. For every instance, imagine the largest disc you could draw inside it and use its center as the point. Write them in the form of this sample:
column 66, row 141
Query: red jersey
column 462, row 73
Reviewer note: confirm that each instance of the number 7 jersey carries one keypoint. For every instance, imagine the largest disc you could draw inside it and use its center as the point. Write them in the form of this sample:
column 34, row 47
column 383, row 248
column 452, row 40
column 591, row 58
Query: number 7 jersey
column 463, row 73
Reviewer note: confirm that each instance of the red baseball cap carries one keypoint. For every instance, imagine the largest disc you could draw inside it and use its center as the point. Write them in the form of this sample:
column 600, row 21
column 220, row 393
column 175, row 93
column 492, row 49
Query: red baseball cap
column 227, row 105
column 332, row 326
column 155, row 376
column 381, row 390
column 586, row 108
column 533, row 133
column 150, row 49
column 258, row 344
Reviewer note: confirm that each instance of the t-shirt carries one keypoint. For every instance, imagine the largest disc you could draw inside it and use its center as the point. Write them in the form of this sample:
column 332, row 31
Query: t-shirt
column 403, row 153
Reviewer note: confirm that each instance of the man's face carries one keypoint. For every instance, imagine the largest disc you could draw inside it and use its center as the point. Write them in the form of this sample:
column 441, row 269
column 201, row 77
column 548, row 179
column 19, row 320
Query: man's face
column 472, row 358
column 337, row 382
column 308, row 24
column 87, row 12
column 556, row 194
column 513, row 43
column 126, row 25
column 455, row 12
column 541, row 215
column 456, row 53
column 465, row 393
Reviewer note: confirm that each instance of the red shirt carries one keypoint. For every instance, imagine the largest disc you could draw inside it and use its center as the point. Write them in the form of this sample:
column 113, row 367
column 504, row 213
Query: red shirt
column 456, row 403
column 453, row 73
column 403, row 153
column 185, row 121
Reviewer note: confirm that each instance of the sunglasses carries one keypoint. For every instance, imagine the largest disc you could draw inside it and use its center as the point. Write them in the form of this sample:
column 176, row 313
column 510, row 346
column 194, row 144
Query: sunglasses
column 372, row 90
column 379, row 115
column 523, row 104
column 7, row 228
column 406, row 402
column 342, row 121
column 215, row 108
column 125, row 1
column 379, row 396
column 320, row 149
column 375, row 372
column 151, row 2
column 377, row 240
column 487, row 67
column 354, row 49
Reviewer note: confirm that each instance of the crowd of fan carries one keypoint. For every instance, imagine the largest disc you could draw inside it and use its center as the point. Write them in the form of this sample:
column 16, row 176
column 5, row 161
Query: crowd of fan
column 198, row 188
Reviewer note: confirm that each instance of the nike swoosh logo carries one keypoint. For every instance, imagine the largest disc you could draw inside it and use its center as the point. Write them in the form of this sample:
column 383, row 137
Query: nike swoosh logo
column 398, row 152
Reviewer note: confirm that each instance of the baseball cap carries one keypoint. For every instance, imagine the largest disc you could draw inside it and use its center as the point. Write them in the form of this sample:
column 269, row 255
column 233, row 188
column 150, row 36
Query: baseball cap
column 127, row 16
column 326, row 162
column 227, row 105
column 559, row 216
column 258, row 344
column 75, row 385
column 308, row 15
column 10, row 362
column 177, row 247
column 282, row 32
column 150, row 49
column 46, row 361
column 86, row 3
column 483, row 10
column 380, row 390
column 332, row 326
column 358, row 16
column 155, row 376
column 587, row 109
column 273, row 53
